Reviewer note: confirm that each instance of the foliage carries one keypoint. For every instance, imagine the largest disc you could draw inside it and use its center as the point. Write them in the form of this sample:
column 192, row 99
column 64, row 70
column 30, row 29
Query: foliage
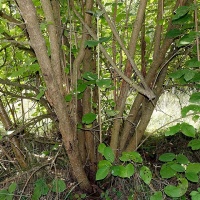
column 8, row 194
column 125, row 170
column 88, row 69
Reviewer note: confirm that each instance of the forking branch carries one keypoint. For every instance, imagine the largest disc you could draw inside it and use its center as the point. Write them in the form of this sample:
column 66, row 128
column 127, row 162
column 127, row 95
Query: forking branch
column 147, row 91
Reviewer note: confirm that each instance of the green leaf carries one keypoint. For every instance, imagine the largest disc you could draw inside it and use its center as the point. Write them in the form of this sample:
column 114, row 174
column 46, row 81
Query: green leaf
column 195, row 97
column 105, row 39
column 58, row 185
column 41, row 188
column 157, row 196
column 119, row 171
column 191, row 176
column 41, row 93
column 189, row 75
column 194, row 144
column 102, row 173
column 145, row 174
column 19, row 72
column 12, row 187
column 101, row 148
column 166, row 157
column 173, row 130
column 193, row 167
column 112, row 113
column 180, row 12
column 68, row 97
column 81, row 87
column 177, row 74
column 4, row 194
column 135, row 157
column 166, row 171
column 88, row 118
column 177, row 191
column 90, row 76
column 128, row 156
column 187, row 39
column 182, row 159
column 103, row 163
column 91, row 43
column 194, row 63
column 174, row 33
column 123, row 171
column 109, row 154
column 103, row 83
column 40, row 183
column 195, row 195
column 129, row 170
column 188, row 130
column 177, row 167
column 186, row 109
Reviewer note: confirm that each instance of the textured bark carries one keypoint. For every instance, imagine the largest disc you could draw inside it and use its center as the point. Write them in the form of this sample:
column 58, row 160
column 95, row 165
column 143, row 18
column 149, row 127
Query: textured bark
column 161, row 48
column 66, row 125
column 128, row 71
column 87, row 108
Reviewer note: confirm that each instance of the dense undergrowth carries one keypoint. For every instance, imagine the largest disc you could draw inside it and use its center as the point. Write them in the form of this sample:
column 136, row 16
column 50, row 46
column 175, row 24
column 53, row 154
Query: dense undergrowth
column 50, row 178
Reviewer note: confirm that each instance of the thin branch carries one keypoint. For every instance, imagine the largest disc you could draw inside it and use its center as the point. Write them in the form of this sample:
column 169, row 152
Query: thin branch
column 114, row 30
column 31, row 122
column 141, row 90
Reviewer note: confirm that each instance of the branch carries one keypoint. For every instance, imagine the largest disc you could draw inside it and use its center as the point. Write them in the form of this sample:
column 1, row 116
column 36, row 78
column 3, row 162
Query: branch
column 147, row 93
column 31, row 122
column 12, row 20
column 113, row 28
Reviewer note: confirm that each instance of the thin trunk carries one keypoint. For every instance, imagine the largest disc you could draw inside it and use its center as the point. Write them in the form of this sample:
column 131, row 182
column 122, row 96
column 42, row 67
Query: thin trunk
column 128, row 71
column 67, row 127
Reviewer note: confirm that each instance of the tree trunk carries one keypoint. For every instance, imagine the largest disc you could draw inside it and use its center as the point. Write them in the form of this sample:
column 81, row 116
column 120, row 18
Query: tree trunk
column 55, row 89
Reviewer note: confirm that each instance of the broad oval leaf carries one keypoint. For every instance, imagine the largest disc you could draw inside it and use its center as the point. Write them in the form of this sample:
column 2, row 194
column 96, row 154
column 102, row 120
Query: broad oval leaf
column 145, row 174
column 103, row 83
column 194, row 144
column 174, row 33
column 177, row 167
column 173, row 130
column 129, row 170
column 81, row 87
column 88, row 118
column 195, row 97
column 186, row 109
column 90, row 76
column 188, row 129
column 194, row 63
column 180, row 12
column 112, row 113
column 166, row 171
column 12, row 187
column 157, row 196
column 135, row 157
column 177, row 191
column 103, row 163
column 193, row 167
column 115, row 170
column 101, row 148
column 109, row 154
column 166, row 157
column 58, row 185
column 182, row 159
column 191, row 176
column 102, row 173
column 121, row 170
column 91, row 43
column 68, row 97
